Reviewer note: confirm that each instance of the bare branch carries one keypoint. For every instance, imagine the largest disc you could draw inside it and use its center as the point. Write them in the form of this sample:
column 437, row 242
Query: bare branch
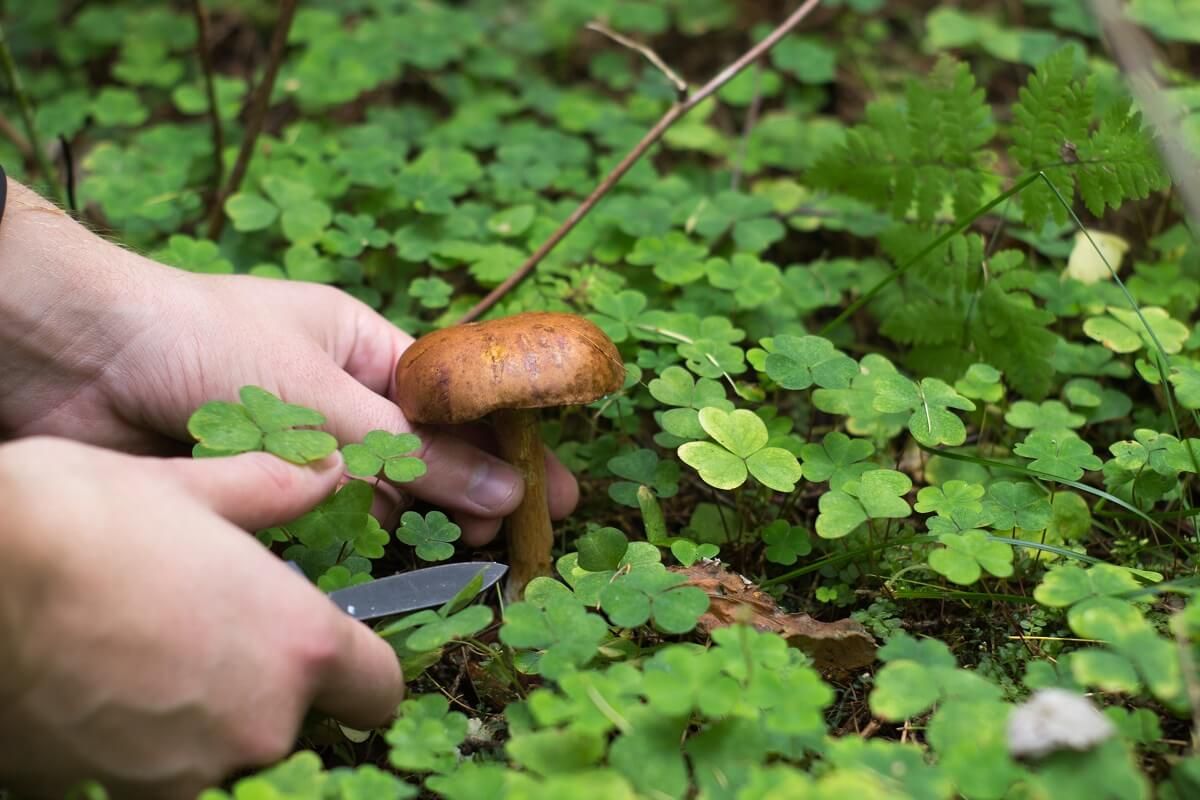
column 1135, row 53
column 256, row 116
column 203, row 40
column 748, row 128
column 9, row 131
column 679, row 83
column 672, row 114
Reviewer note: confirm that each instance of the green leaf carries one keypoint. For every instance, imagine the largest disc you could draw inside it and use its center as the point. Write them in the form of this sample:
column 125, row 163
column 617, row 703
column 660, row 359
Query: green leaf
column 250, row 212
column 1050, row 417
column 1123, row 332
column 838, row 459
column 431, row 535
column 553, row 751
column 1017, row 505
column 272, row 414
column 387, row 451
column 717, row 466
column 966, row 553
column 881, row 493
column 426, row 735
column 225, row 427
column 1061, row 457
column 796, row 362
column 741, row 432
column 1068, row 584
column 553, row 621
column 981, row 382
column 931, row 422
column 339, row 518
column 785, row 542
column 300, row 446
column 601, row 549
column 951, row 499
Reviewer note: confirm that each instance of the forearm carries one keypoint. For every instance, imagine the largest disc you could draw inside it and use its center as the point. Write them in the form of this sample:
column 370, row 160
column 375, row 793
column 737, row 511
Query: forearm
column 69, row 303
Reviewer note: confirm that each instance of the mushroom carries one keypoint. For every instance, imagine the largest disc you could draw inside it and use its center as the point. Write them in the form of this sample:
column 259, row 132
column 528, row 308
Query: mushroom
column 505, row 369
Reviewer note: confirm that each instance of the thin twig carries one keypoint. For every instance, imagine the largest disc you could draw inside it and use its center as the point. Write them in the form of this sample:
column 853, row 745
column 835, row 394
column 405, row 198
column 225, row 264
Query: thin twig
column 679, row 83
column 748, row 128
column 8, row 131
column 214, row 113
column 256, row 116
column 672, row 114
column 1135, row 54
column 9, row 67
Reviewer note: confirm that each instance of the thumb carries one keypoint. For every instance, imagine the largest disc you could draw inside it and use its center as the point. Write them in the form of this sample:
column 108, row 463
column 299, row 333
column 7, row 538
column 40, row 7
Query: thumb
column 257, row 490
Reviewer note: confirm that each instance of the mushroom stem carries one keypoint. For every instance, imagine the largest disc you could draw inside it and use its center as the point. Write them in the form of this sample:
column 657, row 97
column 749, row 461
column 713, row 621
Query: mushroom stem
column 530, row 533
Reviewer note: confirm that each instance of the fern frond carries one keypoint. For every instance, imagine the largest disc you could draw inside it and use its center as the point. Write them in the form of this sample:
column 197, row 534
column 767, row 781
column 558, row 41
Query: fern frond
column 911, row 157
column 1051, row 132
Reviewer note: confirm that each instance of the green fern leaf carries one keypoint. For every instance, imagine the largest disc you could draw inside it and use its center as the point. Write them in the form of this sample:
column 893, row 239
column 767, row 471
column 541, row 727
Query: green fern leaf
column 910, row 157
column 1051, row 132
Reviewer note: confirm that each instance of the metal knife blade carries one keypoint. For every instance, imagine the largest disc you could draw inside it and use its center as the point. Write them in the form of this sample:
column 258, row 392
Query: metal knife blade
column 410, row 591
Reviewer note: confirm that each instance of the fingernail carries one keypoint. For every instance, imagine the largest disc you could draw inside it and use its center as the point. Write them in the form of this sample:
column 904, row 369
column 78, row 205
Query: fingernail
column 331, row 461
column 492, row 485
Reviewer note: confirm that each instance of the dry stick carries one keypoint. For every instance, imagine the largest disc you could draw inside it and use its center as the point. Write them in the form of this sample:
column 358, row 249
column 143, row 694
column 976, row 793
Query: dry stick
column 676, row 111
column 9, row 68
column 13, row 135
column 203, row 40
column 748, row 128
column 256, row 117
column 1135, row 54
column 651, row 56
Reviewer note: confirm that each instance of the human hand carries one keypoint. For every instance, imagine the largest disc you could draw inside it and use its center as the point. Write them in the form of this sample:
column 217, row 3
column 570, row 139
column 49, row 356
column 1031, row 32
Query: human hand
column 147, row 641
column 123, row 350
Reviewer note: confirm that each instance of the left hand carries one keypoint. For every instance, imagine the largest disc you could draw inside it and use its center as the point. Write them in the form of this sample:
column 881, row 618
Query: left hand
column 107, row 347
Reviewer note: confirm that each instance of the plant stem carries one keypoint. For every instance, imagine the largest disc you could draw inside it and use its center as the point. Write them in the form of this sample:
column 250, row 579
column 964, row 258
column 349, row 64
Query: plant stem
column 668, row 119
column 214, row 114
column 256, row 116
column 25, row 106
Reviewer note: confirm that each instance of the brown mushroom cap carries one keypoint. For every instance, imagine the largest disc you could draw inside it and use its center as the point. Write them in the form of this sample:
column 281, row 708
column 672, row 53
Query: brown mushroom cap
column 530, row 360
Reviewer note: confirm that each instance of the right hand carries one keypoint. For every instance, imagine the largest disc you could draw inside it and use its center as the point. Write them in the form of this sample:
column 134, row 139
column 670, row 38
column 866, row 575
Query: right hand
column 147, row 641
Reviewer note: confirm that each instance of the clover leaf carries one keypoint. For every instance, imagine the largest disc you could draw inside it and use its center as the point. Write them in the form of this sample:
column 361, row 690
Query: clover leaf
column 797, row 362
column 387, row 451
column 837, row 459
column 741, row 450
column 619, row 312
column 966, row 553
column 877, row 494
column 676, row 387
column 676, row 258
column 1061, row 457
column 981, row 382
column 931, row 422
column 261, row 422
column 687, row 552
column 642, row 467
column 1051, row 417
column 554, row 622
column 632, row 598
column 426, row 735
column 431, row 535
column 1069, row 584
column 601, row 549
column 785, row 542
column 1123, row 332
column 342, row 517
column 953, row 498
column 1017, row 505
column 428, row 630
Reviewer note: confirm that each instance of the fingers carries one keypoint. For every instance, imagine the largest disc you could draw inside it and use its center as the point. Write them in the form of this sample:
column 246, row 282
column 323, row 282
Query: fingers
column 255, row 490
column 361, row 684
column 460, row 476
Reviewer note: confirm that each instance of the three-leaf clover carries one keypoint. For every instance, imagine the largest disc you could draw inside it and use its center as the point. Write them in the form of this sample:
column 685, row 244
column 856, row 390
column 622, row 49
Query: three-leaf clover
column 953, row 498
column 342, row 517
column 1017, row 505
column 785, row 542
column 642, row 467
column 426, row 735
column 878, row 494
column 553, row 621
column 797, row 362
column 261, row 422
column 741, row 450
column 676, row 387
column 634, row 597
column 929, row 401
column 1051, row 417
column 837, row 459
column 387, row 451
column 431, row 535
column 1123, row 332
column 1059, row 456
column 981, row 382
column 966, row 554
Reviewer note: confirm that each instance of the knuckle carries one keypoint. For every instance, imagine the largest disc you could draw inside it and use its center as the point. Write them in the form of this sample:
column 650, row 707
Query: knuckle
column 278, row 475
column 265, row 744
column 322, row 646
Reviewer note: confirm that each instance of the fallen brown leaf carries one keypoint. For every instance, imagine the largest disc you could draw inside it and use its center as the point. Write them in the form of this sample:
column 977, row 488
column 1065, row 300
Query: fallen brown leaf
column 836, row 647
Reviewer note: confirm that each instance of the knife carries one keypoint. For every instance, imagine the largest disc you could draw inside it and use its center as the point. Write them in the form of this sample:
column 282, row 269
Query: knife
column 410, row 591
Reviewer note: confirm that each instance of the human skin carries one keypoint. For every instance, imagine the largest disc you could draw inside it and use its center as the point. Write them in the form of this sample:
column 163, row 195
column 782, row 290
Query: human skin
column 103, row 346
column 174, row 647
column 156, row 673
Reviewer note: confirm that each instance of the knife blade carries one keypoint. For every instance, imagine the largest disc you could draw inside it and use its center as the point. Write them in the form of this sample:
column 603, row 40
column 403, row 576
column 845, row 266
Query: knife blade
column 414, row 590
